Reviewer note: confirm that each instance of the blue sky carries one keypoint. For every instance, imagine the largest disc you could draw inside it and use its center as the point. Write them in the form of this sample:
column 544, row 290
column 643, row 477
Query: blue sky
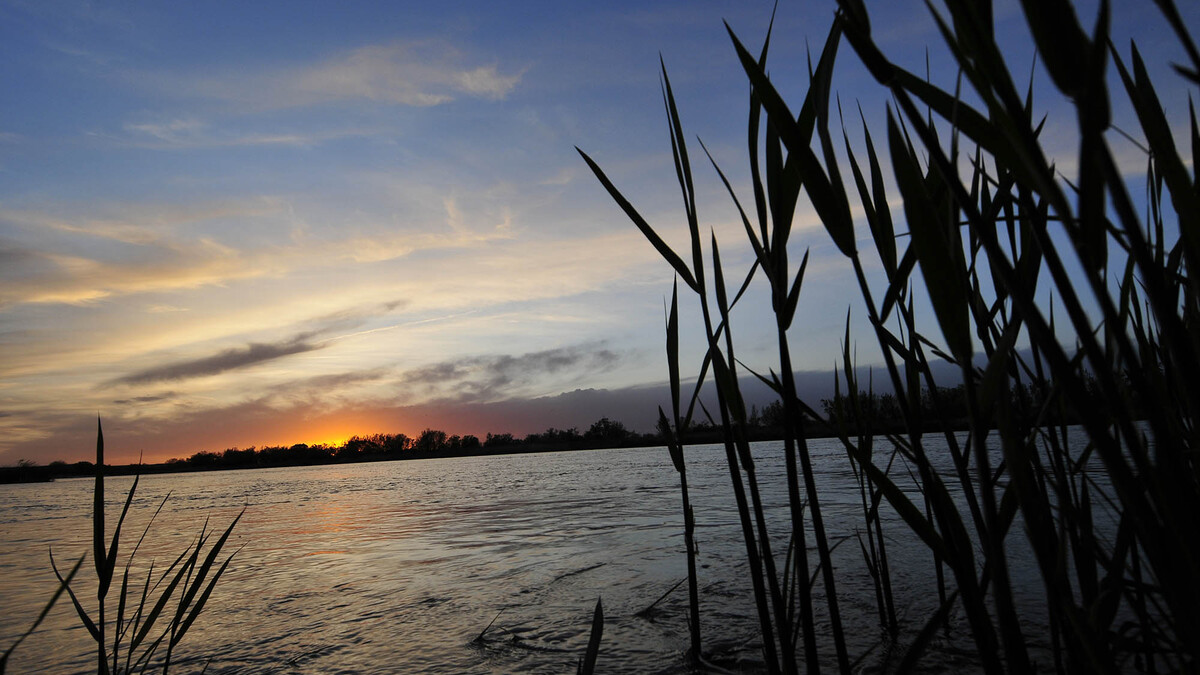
column 235, row 224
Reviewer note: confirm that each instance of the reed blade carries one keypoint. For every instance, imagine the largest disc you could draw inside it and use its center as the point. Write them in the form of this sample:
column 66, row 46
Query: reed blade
column 588, row 665
column 663, row 249
column 64, row 584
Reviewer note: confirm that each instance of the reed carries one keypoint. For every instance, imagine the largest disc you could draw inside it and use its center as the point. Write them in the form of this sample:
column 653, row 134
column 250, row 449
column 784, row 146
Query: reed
column 587, row 664
column 986, row 241
column 671, row 429
column 41, row 615
column 151, row 622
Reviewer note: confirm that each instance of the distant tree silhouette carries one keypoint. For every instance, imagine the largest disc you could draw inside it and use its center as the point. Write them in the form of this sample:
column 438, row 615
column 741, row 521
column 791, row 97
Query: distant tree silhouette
column 772, row 415
column 204, row 458
column 395, row 443
column 352, row 449
column 236, row 457
column 430, row 440
column 554, row 436
column 499, row 440
column 605, row 429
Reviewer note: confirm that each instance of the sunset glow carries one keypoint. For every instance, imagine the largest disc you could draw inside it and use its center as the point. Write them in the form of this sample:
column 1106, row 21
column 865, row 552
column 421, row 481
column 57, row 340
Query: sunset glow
column 229, row 225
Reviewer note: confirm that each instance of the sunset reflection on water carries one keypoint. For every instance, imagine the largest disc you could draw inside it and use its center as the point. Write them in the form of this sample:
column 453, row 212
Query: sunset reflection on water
column 399, row 566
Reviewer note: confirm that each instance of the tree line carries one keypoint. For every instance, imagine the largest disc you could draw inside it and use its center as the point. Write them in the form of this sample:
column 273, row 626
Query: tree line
column 429, row 443
column 865, row 412
column 947, row 408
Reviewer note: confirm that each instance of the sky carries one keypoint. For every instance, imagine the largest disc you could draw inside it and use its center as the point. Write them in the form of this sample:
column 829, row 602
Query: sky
column 230, row 224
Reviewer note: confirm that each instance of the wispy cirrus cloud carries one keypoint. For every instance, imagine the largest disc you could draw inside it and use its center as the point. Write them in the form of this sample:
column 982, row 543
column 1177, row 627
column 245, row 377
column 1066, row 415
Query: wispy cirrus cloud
column 47, row 276
column 187, row 133
column 421, row 74
column 137, row 222
column 414, row 74
column 54, row 257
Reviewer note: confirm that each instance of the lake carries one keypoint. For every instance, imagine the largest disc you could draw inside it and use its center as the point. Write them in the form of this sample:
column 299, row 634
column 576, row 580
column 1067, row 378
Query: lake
column 399, row 566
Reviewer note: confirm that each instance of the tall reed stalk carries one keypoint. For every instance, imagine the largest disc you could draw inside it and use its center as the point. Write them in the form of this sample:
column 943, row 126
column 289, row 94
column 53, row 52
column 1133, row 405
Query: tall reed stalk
column 1112, row 520
column 672, row 429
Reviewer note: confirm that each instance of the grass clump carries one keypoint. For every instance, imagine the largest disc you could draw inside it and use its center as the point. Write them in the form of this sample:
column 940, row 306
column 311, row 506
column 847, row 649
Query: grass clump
column 151, row 621
column 1111, row 520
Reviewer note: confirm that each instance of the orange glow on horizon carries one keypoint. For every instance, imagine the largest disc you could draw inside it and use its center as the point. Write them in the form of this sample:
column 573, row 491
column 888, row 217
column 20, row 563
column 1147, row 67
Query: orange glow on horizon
column 327, row 427
column 333, row 442
column 336, row 429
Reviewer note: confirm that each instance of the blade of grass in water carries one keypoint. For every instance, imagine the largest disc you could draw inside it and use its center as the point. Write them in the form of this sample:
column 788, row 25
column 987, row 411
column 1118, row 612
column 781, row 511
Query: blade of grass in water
column 62, row 586
column 587, row 665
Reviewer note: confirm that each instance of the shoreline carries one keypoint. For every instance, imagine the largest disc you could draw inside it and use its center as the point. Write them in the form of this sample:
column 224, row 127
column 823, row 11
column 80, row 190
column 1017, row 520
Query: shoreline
column 85, row 469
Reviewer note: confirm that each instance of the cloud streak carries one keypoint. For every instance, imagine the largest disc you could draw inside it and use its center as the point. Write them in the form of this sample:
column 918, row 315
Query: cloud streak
column 191, row 133
column 47, row 277
column 229, row 359
column 254, row 353
column 419, row 74
column 139, row 249
column 493, row 377
column 154, row 398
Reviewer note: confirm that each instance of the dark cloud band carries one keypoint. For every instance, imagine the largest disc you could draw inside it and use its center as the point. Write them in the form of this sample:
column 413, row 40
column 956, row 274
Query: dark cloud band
column 229, row 359
column 484, row 378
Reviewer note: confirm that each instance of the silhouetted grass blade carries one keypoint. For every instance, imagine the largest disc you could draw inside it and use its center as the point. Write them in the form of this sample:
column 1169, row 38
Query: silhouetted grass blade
column 588, row 665
column 920, row 643
column 110, row 559
column 98, row 553
column 1162, row 142
column 63, row 585
column 676, row 262
column 1063, row 45
column 199, row 604
column 83, row 615
column 793, row 297
column 947, row 287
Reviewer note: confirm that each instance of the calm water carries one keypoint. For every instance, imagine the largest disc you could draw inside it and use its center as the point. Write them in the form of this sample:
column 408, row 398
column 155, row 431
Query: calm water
column 399, row 566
